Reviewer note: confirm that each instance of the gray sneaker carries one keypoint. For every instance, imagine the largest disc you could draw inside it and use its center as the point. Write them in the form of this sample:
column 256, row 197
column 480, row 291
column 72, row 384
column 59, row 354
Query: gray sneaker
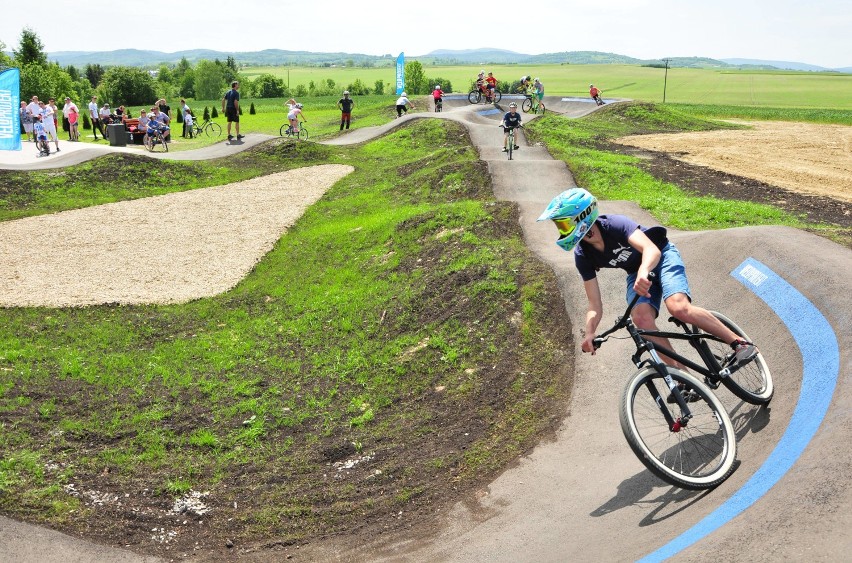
column 744, row 352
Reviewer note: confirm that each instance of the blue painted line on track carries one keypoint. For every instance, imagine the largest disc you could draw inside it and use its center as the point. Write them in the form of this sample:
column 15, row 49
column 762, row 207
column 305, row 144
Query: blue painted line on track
column 821, row 366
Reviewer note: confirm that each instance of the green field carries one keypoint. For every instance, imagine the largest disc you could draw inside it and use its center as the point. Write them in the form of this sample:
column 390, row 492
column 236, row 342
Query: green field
column 683, row 85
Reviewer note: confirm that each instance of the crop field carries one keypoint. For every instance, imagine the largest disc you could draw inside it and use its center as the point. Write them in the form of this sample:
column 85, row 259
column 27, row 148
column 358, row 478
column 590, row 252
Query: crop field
column 682, row 85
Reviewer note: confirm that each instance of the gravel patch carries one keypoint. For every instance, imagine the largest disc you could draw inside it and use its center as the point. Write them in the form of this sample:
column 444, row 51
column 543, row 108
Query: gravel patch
column 165, row 249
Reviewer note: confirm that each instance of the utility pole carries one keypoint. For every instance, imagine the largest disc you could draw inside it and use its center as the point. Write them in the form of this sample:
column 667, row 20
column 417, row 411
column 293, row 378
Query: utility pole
column 665, row 78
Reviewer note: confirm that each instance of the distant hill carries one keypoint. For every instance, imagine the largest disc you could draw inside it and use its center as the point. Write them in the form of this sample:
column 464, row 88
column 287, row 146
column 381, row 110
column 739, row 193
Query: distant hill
column 136, row 57
column 784, row 65
column 483, row 56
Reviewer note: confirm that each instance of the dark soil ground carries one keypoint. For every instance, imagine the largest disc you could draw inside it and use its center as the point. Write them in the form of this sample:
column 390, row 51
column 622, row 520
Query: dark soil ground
column 702, row 180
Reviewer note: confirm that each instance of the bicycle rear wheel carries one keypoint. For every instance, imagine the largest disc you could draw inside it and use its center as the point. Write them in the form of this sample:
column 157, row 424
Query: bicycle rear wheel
column 541, row 109
column 497, row 96
column 303, row 134
column 213, row 129
column 698, row 455
column 753, row 382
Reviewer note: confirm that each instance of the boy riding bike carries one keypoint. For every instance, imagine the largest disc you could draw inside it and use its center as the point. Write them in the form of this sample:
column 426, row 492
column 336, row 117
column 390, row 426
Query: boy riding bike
column 616, row 241
column 511, row 120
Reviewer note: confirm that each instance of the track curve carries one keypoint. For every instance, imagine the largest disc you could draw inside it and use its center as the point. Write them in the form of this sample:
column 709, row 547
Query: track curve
column 584, row 496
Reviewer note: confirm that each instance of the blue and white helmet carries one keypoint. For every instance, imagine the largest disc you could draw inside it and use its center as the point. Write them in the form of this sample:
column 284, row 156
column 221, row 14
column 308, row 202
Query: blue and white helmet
column 574, row 212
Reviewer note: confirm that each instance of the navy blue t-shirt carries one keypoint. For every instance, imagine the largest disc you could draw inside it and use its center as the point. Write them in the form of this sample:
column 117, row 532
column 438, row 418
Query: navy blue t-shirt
column 231, row 96
column 510, row 120
column 615, row 230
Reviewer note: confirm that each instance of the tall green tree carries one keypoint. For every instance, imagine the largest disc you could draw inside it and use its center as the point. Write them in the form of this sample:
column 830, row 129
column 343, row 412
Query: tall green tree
column 267, row 86
column 73, row 72
column 94, row 73
column 210, row 80
column 4, row 58
column 31, row 49
column 127, row 86
column 415, row 79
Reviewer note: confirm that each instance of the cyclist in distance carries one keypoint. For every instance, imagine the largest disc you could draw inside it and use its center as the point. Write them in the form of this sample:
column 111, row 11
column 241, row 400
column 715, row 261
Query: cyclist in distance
column 524, row 84
column 294, row 116
column 595, row 94
column 490, row 86
column 438, row 95
column 617, row 241
column 539, row 90
column 511, row 120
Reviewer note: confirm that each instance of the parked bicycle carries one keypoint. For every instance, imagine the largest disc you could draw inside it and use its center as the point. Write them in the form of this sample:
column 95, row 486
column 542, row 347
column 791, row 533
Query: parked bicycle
column 155, row 138
column 673, row 421
column 210, row 128
column 477, row 95
column 287, row 131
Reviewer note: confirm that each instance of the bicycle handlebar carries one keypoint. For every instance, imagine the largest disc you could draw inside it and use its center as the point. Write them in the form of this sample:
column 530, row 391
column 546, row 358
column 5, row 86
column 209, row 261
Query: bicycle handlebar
column 621, row 322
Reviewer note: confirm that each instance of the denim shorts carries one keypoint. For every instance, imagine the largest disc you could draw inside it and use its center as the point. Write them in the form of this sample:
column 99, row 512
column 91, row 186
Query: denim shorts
column 671, row 279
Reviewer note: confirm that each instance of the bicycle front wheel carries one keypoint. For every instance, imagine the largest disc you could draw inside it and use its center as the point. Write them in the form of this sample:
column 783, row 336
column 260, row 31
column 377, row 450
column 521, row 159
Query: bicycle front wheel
column 511, row 143
column 526, row 105
column 148, row 141
column 700, row 454
column 753, row 382
column 213, row 129
column 474, row 97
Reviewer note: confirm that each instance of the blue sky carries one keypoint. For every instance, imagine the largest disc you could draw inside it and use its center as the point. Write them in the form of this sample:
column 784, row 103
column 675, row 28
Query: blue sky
column 816, row 32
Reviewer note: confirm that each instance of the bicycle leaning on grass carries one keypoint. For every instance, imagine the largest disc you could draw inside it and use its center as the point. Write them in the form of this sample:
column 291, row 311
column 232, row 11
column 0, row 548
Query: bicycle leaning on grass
column 673, row 421
column 287, row 131
column 209, row 127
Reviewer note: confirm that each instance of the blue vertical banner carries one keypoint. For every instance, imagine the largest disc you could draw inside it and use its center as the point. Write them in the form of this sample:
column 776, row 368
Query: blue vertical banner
column 10, row 105
column 400, row 74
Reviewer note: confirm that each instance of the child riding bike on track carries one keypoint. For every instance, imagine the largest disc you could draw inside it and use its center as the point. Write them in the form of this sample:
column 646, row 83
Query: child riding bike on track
column 438, row 96
column 511, row 120
column 616, row 241
column 490, row 86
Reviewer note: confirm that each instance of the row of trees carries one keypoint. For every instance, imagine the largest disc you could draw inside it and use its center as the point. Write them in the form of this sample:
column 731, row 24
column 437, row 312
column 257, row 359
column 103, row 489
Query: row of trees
column 207, row 80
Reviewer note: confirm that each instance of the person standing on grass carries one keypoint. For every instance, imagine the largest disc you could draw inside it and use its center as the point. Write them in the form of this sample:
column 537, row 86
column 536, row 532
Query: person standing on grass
column 231, row 109
column 27, row 121
column 73, row 118
column 94, row 116
column 34, row 108
column 345, row 104
column 66, row 115
column 186, row 112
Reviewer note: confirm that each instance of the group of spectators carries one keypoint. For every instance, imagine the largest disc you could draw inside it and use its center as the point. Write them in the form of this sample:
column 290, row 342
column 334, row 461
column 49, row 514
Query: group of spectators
column 41, row 119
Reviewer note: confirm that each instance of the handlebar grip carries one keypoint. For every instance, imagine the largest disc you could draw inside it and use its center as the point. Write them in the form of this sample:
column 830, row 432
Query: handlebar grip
column 597, row 342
